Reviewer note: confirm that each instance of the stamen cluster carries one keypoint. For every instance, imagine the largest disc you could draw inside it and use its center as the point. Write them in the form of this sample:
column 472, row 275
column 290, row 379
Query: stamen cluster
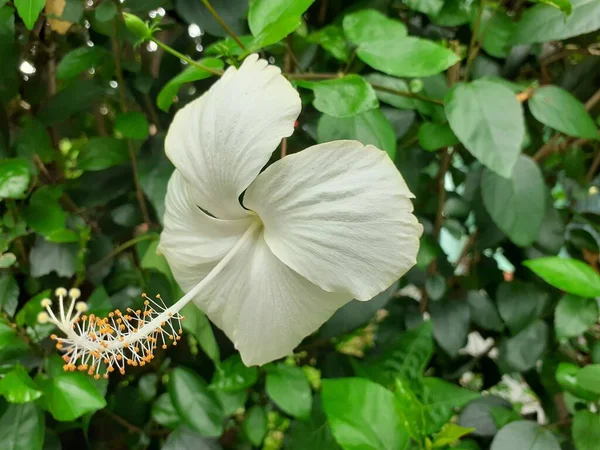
column 94, row 344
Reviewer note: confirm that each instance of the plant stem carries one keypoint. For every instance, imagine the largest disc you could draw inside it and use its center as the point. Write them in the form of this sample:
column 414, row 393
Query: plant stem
column 407, row 94
column 188, row 60
column 223, row 24
column 124, row 246
column 473, row 45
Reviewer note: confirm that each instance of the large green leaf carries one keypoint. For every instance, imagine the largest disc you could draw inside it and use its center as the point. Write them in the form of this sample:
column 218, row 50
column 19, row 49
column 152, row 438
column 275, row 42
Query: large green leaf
column 451, row 321
column 22, row 427
column 488, row 120
column 410, row 410
column 558, row 109
column 332, row 39
column 434, row 136
column 370, row 127
column 524, row 435
column 232, row 375
column 522, row 351
column 164, row 412
column 586, row 430
column 132, row 125
column 102, row 152
column 29, row 10
column 544, row 23
column 265, row 12
column 589, row 378
column 18, row 387
column 483, row 311
column 574, row 315
column 14, row 178
column 274, row 32
column 516, row 204
column 361, row 415
column 255, row 425
column 46, row 257
column 566, row 377
column 343, row 97
column 195, row 403
column 369, row 25
column 567, row 274
column 496, row 29
column 519, row 304
column 79, row 60
column 289, row 389
column 44, row 214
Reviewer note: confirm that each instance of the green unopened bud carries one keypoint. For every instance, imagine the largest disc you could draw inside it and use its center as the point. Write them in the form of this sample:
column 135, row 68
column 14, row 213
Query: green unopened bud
column 137, row 26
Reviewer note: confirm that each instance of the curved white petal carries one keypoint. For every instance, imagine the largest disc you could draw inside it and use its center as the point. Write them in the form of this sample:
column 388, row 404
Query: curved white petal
column 264, row 307
column 339, row 214
column 192, row 241
column 221, row 141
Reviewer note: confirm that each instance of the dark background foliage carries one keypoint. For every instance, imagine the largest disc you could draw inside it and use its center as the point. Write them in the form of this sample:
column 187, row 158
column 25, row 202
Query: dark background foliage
column 489, row 110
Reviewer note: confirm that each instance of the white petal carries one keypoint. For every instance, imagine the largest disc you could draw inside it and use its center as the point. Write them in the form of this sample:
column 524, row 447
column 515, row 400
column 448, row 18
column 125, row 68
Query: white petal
column 222, row 140
column 264, row 307
column 192, row 241
column 339, row 214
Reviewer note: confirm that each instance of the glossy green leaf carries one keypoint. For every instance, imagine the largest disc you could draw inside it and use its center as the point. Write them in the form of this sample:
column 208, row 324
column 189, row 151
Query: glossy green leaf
column 369, row 25
column 519, row 304
column 544, row 23
column 343, row 97
column 255, row 425
column 164, row 412
column 555, row 107
column 333, row 39
column 362, row 415
column 289, row 389
column 197, row 323
column 487, row 118
column 274, row 33
column 265, row 12
column 233, row 375
column 522, row 351
column 526, row 435
column 195, row 403
column 483, row 311
column 566, row 377
column 574, row 315
column 22, row 427
column 29, row 10
column 46, row 257
column 451, row 321
column 434, row 136
column 102, row 152
column 76, row 97
column 567, row 274
column 370, row 127
column 18, row 387
column 381, row 82
column 185, row 438
column 564, row 5
column 70, row 395
column 132, row 125
column 586, row 430
column 589, row 378
column 14, row 178
column 105, row 11
column 449, row 434
column 34, row 140
column 79, row 60
column 9, row 293
column 410, row 410
column 516, row 204
column 314, row 433
column 496, row 30
column 167, row 94
column 44, row 213
column 429, row 7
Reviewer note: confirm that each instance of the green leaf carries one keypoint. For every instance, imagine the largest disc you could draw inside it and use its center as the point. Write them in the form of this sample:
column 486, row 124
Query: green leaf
column 521, row 352
column 524, row 434
column 586, row 430
column 380, row 80
column 10, row 55
column 9, row 293
column 566, row 377
column 483, row 311
column 102, row 152
column 29, row 10
column 18, row 387
column 369, row 25
column 165, row 97
column 79, row 60
column 362, row 415
column 255, row 425
column 488, row 120
column 449, row 434
column 477, row 414
column 569, row 275
column 70, row 395
column 184, row 438
column 76, row 97
column 544, row 23
column 155, row 170
column 265, row 12
column 407, row 57
column 164, row 412
column 34, row 140
column 555, row 107
column 132, row 125
column 410, row 410
column 496, row 30
column 343, row 97
column 574, row 315
column 453, row 13
column 7, row 260
column 434, row 136
column 563, row 5
column 105, row 11
column 232, row 12
column 197, row 323
column 47, row 257
column 44, row 213
column 429, row 7
column 589, row 378
column 519, row 304
column 314, row 433
column 22, row 427
column 289, row 389
column 332, row 39
column 14, row 178
column 195, row 403
column 233, row 375
column 370, row 127
column 516, row 204
column 451, row 321
column 232, row 402
column 274, row 33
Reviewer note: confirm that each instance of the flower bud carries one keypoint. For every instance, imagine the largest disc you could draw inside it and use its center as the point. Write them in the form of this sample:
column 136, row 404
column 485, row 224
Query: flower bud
column 137, row 26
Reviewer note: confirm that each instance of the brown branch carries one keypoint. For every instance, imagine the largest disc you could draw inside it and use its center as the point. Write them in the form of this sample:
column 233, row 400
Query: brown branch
column 473, row 45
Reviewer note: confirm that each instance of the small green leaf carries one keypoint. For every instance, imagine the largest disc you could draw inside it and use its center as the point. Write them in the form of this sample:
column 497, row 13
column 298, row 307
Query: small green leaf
column 370, row 127
column 569, row 275
column 586, row 430
column 369, row 25
column 379, row 80
column 265, row 12
column 102, row 152
column 449, row 434
column 558, row 109
column 520, row 303
column 496, row 30
column 76, row 97
column 14, row 177
column 516, row 204
column 521, row 352
column 332, row 39
column 22, row 427
column 197, row 323
column 165, row 97
column 289, row 389
column 164, row 412
column 79, row 60
column 105, row 11
column 524, row 435
column 184, row 438
column 451, row 321
column 34, row 140
column 483, row 311
column 29, row 10
column 132, row 125
column 274, row 33
column 488, row 120
column 428, row 7
column 574, row 315
column 563, row 5
column 233, row 375
column 9, row 293
column 18, row 387
column 566, row 377
column 44, row 213
column 343, row 97
column 409, row 410
column 362, row 415
column 255, row 425
column 434, row 136
column 589, row 378
column 195, row 403
column 47, row 257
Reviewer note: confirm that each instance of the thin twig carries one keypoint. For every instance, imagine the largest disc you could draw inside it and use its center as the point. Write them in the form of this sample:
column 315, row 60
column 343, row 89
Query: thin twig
column 185, row 58
column 593, row 168
column 223, row 24
column 124, row 246
column 473, row 45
